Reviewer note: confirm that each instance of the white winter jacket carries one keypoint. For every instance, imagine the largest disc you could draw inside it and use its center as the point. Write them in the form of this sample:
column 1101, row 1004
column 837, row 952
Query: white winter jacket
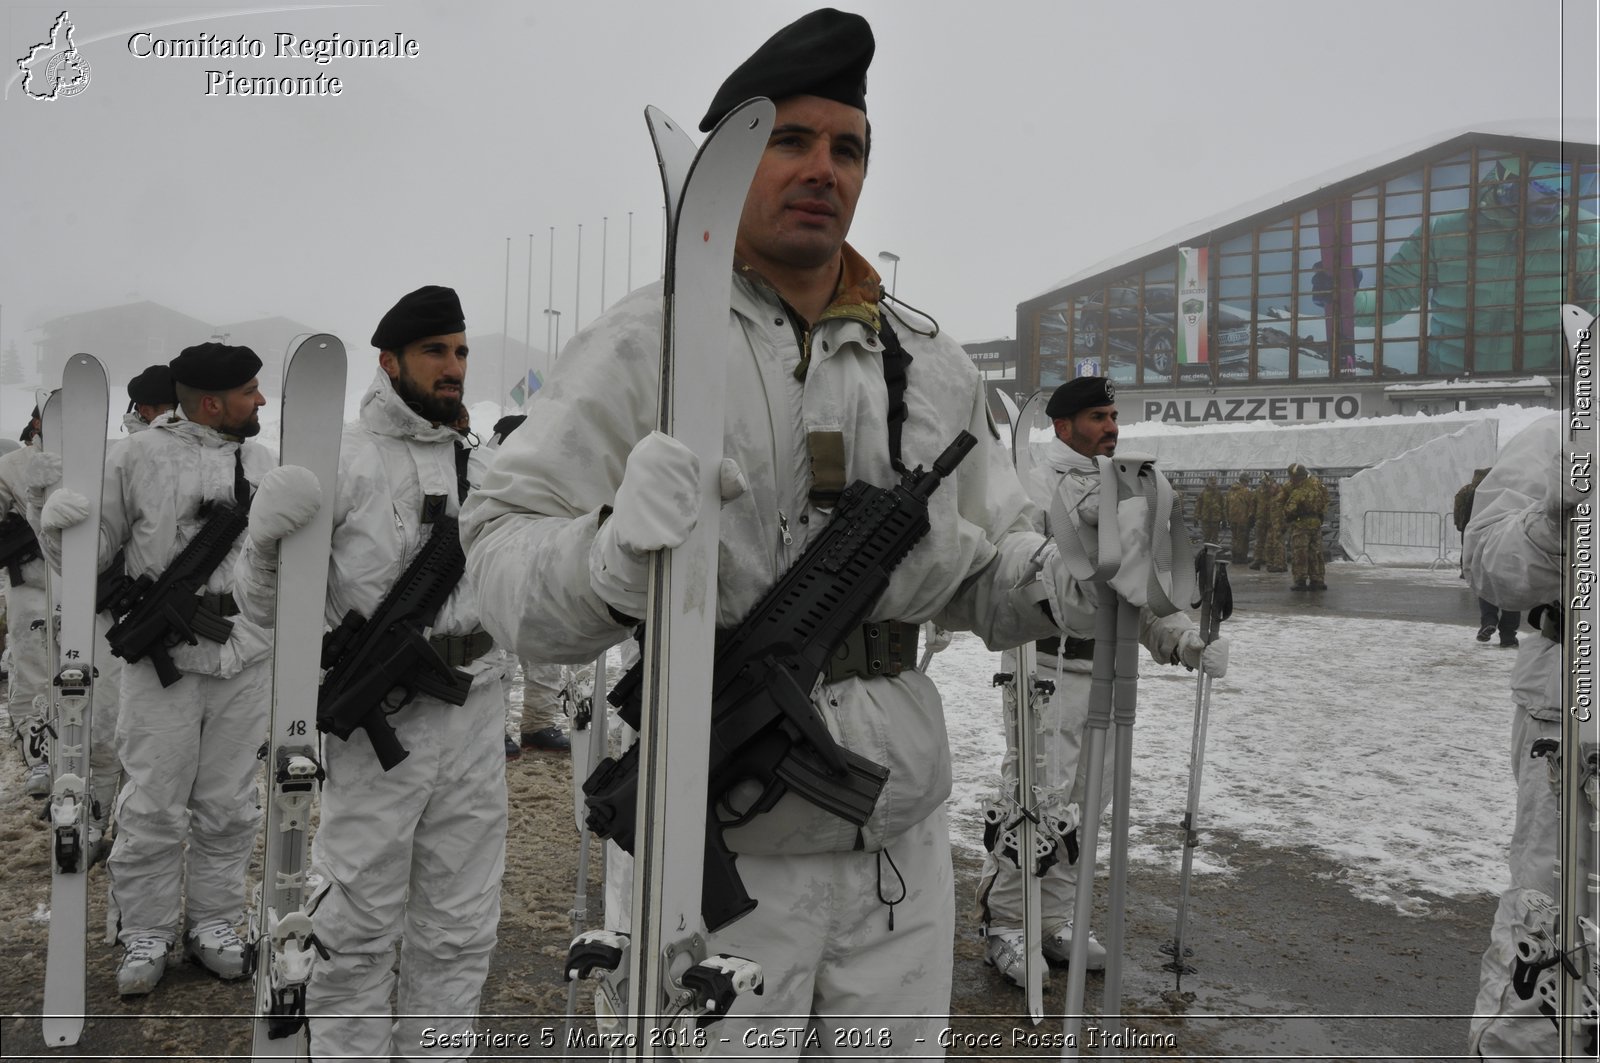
column 155, row 484
column 389, row 459
column 1078, row 478
column 530, row 527
column 1512, row 548
column 15, row 468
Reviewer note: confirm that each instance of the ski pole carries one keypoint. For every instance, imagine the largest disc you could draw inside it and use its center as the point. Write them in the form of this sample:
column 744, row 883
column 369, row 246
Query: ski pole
column 1216, row 605
column 1124, row 698
column 1091, row 769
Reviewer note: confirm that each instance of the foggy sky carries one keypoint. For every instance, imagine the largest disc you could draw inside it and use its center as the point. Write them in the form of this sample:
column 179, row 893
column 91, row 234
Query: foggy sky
column 1014, row 143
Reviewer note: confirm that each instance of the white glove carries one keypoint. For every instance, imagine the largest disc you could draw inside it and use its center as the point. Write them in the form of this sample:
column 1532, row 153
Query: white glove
column 45, row 471
column 64, row 509
column 1072, row 604
column 1194, row 653
column 246, row 645
column 658, row 501
column 289, row 496
column 657, row 506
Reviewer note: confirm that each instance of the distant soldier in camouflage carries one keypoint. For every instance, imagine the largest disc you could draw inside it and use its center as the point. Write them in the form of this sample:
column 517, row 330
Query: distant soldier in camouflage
column 1305, row 503
column 1209, row 511
column 1269, row 526
column 1240, row 505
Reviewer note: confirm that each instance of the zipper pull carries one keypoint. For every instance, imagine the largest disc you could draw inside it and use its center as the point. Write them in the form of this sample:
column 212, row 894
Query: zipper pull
column 783, row 526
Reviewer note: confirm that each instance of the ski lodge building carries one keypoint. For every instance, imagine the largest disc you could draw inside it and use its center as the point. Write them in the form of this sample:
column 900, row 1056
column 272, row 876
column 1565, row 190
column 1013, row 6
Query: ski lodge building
column 1427, row 279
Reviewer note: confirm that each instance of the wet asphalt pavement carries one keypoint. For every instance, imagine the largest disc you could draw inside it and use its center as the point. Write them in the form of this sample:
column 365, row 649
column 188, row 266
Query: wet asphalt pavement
column 1359, row 589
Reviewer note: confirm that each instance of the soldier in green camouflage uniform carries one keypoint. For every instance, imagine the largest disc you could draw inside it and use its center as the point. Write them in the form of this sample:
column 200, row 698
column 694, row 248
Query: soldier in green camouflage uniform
column 1269, row 526
column 1209, row 511
column 1305, row 503
column 1240, row 506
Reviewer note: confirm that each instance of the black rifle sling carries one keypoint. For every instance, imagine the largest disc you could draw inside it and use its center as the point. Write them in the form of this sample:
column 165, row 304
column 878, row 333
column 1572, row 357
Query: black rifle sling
column 241, row 486
column 896, row 361
column 462, row 486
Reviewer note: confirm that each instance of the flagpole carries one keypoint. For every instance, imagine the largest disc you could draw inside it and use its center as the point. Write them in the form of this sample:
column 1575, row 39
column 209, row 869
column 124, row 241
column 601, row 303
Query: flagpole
column 604, row 223
column 505, row 326
column 527, row 315
column 549, row 303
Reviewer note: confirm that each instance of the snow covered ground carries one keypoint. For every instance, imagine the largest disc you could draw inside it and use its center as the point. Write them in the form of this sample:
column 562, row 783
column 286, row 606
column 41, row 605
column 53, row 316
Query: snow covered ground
column 1379, row 743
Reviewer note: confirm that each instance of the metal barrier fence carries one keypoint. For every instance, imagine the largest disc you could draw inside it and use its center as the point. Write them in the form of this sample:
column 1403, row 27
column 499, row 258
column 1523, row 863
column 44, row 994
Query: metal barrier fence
column 1404, row 529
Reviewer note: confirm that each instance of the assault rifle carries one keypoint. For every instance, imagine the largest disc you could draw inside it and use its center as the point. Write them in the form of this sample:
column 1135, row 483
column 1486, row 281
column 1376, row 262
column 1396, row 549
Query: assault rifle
column 160, row 612
column 764, row 727
column 368, row 661
column 18, row 545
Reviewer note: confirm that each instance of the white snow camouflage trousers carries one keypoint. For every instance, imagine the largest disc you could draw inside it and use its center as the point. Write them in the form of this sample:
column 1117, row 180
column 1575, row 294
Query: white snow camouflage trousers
column 189, row 753
column 1061, row 738
column 105, row 763
column 1504, row 1026
column 538, row 704
column 30, row 668
column 844, row 975
column 412, row 856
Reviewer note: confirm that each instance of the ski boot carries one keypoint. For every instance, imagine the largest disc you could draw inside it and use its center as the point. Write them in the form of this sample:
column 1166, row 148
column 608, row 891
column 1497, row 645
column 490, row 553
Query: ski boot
column 1058, row 948
column 143, row 964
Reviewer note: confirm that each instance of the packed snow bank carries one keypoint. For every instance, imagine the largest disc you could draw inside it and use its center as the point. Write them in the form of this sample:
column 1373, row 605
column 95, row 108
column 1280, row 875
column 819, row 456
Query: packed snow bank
column 1402, row 511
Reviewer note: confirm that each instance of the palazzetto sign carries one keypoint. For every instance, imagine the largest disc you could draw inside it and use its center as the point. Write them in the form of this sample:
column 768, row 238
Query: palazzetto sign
column 1279, row 408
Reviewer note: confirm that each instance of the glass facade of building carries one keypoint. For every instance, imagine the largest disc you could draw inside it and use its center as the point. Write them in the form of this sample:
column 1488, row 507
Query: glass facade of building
column 1440, row 267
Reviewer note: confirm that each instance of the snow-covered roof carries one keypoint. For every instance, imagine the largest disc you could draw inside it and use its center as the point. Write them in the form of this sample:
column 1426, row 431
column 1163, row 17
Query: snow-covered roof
column 1531, row 383
column 1563, row 128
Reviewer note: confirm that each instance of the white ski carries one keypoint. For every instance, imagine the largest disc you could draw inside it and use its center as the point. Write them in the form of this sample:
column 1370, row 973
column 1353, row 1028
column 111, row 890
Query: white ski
column 590, row 736
column 672, row 986
column 313, row 415
column 1015, row 831
column 682, row 604
column 80, row 438
column 1012, row 825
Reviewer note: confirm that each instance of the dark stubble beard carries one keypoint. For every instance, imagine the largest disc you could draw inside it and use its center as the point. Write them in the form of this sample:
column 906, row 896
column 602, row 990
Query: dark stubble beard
column 250, row 426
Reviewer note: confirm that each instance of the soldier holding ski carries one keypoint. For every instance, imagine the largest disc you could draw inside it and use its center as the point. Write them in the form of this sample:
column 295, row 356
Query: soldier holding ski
column 1083, row 412
column 193, row 713
column 411, row 845
column 849, row 922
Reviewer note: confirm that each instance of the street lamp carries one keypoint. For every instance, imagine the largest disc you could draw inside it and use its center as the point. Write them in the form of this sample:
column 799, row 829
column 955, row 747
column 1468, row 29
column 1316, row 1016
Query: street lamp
column 894, row 275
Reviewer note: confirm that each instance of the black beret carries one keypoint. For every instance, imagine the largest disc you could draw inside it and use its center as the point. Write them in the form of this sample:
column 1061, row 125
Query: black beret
column 214, row 367
column 153, row 387
column 431, row 310
column 825, row 53
column 508, row 424
column 1080, row 394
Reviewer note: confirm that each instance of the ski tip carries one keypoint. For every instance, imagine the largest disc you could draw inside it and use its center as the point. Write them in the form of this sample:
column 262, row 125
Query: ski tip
column 1577, row 322
column 657, row 117
column 750, row 114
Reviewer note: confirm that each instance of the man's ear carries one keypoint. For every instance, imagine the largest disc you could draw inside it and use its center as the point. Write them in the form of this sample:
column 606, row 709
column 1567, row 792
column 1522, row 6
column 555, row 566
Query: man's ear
column 390, row 363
